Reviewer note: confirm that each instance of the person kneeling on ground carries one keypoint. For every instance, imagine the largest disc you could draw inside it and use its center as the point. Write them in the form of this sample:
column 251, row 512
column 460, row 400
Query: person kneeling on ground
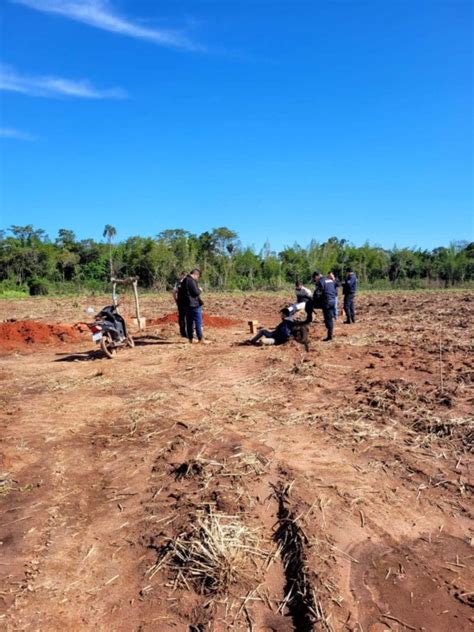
column 279, row 335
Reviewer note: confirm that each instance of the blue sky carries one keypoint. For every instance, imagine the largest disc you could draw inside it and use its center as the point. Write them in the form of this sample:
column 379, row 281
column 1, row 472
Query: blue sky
column 284, row 120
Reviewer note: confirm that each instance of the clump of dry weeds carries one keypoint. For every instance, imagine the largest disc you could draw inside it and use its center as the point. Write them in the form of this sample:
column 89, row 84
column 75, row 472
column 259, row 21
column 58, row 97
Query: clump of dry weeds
column 431, row 426
column 215, row 552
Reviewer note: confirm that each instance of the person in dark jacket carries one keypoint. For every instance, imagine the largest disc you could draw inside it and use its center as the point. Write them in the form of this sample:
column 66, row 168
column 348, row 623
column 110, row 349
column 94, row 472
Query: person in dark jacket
column 189, row 294
column 337, row 285
column 182, row 307
column 324, row 298
column 349, row 289
column 327, row 289
column 279, row 335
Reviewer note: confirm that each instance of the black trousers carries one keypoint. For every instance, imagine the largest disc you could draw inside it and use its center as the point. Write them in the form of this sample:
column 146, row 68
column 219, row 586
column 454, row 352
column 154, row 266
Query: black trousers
column 182, row 320
column 349, row 308
column 308, row 308
column 328, row 313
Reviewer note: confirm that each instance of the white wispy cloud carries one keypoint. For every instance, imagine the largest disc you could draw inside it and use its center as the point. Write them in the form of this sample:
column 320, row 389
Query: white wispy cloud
column 48, row 86
column 9, row 132
column 101, row 14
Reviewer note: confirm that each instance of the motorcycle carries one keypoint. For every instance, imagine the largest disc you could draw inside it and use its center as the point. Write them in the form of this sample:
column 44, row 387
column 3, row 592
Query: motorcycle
column 110, row 331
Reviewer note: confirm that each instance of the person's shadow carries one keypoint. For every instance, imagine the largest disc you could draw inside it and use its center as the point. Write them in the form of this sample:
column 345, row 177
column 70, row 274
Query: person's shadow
column 83, row 356
column 153, row 339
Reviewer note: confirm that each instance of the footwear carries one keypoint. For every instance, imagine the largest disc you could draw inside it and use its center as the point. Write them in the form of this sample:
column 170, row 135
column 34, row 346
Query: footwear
column 346, row 322
column 327, row 339
column 190, row 341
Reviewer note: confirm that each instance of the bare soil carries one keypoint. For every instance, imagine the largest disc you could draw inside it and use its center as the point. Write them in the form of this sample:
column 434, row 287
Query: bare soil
column 348, row 467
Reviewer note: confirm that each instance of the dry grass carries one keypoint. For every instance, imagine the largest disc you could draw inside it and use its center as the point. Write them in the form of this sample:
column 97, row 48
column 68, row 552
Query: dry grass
column 216, row 552
column 235, row 466
column 433, row 427
column 359, row 426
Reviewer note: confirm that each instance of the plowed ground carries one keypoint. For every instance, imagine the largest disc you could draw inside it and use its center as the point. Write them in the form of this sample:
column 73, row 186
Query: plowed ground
column 350, row 466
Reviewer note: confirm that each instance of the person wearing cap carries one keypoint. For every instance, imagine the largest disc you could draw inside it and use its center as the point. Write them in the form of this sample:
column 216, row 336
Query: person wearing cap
column 324, row 298
column 279, row 335
column 189, row 295
column 349, row 289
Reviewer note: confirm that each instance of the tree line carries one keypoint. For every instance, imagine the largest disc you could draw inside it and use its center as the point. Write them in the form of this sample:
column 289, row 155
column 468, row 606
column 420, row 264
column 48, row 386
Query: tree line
column 31, row 262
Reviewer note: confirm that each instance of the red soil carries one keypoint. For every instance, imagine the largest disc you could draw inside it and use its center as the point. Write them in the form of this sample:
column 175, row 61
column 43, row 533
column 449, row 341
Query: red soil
column 210, row 321
column 21, row 334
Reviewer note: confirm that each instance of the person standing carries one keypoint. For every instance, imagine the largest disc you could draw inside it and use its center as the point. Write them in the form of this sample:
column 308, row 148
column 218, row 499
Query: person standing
column 349, row 289
column 325, row 297
column 337, row 284
column 180, row 305
column 190, row 292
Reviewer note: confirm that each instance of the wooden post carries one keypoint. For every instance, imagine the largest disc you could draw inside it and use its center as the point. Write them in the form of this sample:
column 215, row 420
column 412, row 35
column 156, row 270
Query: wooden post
column 253, row 324
column 137, row 306
column 133, row 281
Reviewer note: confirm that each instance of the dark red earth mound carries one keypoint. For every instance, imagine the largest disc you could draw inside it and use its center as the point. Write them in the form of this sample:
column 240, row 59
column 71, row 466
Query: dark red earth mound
column 22, row 334
column 209, row 321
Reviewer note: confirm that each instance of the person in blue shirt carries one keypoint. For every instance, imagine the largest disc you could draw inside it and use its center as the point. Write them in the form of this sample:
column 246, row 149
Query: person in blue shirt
column 349, row 289
column 277, row 336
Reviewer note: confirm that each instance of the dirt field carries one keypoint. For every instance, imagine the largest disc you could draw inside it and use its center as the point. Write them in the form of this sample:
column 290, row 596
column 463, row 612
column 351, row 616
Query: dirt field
column 196, row 488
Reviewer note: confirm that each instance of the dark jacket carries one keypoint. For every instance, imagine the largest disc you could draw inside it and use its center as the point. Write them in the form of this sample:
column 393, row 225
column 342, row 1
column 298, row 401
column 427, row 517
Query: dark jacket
column 283, row 331
column 325, row 293
column 350, row 285
column 188, row 292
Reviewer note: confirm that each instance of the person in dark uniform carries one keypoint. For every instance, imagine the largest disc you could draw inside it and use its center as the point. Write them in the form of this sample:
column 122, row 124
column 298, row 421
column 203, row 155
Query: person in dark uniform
column 324, row 298
column 337, row 285
column 326, row 288
column 189, row 295
column 180, row 305
column 349, row 289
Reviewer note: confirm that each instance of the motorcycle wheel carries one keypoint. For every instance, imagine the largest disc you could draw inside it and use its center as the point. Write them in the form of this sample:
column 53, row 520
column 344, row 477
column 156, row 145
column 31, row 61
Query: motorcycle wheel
column 130, row 342
column 107, row 346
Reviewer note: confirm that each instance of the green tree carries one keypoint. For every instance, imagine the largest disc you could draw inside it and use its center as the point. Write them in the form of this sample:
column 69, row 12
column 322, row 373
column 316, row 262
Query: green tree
column 109, row 233
column 66, row 239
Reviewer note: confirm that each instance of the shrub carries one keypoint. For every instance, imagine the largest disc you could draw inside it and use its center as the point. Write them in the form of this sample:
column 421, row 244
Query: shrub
column 38, row 287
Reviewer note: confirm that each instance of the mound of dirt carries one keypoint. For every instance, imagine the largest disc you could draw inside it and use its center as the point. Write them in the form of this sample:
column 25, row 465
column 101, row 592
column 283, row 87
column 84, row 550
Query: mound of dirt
column 209, row 321
column 19, row 335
